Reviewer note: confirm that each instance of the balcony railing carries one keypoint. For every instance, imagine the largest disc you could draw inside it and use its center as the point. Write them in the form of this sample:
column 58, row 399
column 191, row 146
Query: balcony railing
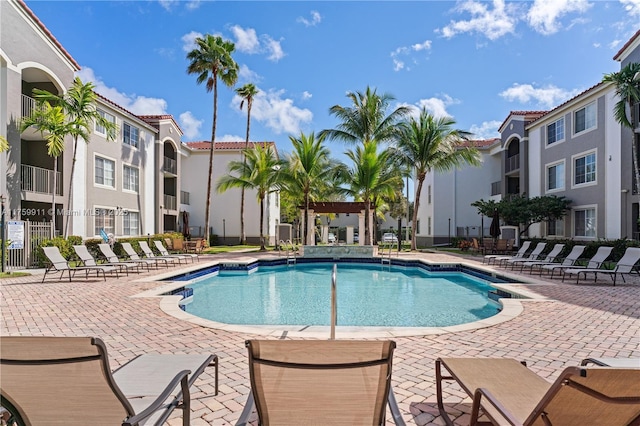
column 39, row 180
column 184, row 197
column 495, row 188
column 170, row 165
column 169, row 202
column 28, row 105
column 513, row 163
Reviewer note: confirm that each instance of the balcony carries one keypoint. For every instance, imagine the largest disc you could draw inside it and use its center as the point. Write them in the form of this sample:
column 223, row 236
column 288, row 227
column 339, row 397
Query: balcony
column 170, row 165
column 39, row 180
column 184, row 197
column 28, row 105
column 512, row 163
column 170, row 202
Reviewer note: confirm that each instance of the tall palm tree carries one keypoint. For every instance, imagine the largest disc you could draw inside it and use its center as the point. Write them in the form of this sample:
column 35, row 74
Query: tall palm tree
column 627, row 82
column 308, row 169
column 246, row 92
column 211, row 60
column 366, row 119
column 79, row 107
column 260, row 171
column 50, row 122
column 428, row 143
column 368, row 178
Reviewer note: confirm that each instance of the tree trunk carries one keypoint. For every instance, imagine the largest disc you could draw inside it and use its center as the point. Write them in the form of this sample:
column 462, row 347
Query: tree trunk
column 70, row 195
column 243, row 235
column 262, row 245
column 213, row 142
column 305, row 219
column 367, row 212
column 414, row 220
column 53, row 197
column 399, row 233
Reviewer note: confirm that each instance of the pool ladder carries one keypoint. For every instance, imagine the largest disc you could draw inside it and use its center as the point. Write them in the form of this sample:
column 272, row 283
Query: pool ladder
column 334, row 302
column 290, row 251
column 381, row 250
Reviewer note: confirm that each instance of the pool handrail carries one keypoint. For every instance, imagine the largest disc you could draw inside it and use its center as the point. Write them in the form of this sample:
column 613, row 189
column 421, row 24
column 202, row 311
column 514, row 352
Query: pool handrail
column 334, row 302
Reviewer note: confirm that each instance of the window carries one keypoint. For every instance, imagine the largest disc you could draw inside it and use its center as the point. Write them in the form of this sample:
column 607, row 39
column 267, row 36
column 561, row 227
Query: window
column 584, row 169
column 130, row 178
column 105, row 172
column 555, row 131
column 585, row 118
column 555, row 228
column 584, row 222
column 104, row 220
column 130, row 223
column 100, row 129
column 429, row 225
column 429, row 194
column 555, row 177
column 130, row 136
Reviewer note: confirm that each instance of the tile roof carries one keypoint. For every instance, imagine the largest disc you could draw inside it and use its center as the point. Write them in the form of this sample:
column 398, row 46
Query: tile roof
column 627, row 44
column 534, row 115
column 48, row 33
column 151, row 118
column 479, row 143
column 110, row 102
column 220, row 146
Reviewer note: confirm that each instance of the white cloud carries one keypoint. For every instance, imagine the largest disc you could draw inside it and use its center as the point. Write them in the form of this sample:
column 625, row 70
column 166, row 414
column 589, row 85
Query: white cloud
column 169, row 4
column 547, row 96
column 544, row 15
column 140, row 105
column 426, row 45
column 397, row 64
column 631, row 6
column 615, row 43
column 438, row 106
column 306, row 95
column 398, row 56
column 486, row 130
column 193, row 5
column 230, row 138
column 276, row 111
column 273, row 48
column 492, row 23
column 315, row 19
column 246, row 40
column 189, row 40
column 245, row 74
column 189, row 124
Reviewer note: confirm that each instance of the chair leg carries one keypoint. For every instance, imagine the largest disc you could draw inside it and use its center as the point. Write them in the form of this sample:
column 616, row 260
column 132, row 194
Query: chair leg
column 439, row 379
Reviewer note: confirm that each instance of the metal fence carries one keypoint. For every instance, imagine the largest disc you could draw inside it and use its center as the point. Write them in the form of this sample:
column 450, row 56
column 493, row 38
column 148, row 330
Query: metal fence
column 26, row 257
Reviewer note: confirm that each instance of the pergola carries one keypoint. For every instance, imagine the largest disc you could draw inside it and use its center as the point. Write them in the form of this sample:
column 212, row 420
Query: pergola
column 326, row 207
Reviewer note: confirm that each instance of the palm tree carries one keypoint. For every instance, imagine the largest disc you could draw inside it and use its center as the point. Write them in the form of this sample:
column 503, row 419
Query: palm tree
column 627, row 82
column 308, row 170
column 50, row 122
column 246, row 92
column 428, row 143
column 261, row 170
column 4, row 144
column 366, row 120
column 79, row 108
column 210, row 60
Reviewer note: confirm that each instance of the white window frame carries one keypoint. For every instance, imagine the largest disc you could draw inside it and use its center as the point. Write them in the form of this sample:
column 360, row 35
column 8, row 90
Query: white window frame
column 562, row 180
column 97, row 128
column 563, row 226
column 595, row 118
column 126, row 215
column 111, row 212
column 95, row 182
column 127, row 141
column 585, row 208
column 125, row 180
column 564, row 132
column 576, row 157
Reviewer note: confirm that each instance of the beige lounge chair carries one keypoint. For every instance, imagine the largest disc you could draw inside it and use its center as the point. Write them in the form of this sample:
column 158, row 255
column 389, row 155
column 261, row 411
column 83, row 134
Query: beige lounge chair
column 496, row 258
column 182, row 256
column 59, row 264
column 87, row 260
column 66, row 381
column 134, row 256
column 113, row 258
column 625, row 266
column 508, row 393
column 320, row 382
column 568, row 261
column 149, row 254
column 533, row 256
column 549, row 258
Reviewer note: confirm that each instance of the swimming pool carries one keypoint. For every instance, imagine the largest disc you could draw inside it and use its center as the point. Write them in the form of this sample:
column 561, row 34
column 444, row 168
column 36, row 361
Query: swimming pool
column 367, row 294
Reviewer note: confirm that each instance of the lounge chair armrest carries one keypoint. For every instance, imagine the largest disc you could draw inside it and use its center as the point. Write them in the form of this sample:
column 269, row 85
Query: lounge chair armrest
column 246, row 411
column 395, row 411
column 475, row 410
column 181, row 378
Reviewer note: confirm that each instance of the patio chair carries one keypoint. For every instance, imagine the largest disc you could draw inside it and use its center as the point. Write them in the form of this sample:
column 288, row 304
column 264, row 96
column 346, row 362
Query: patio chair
column 149, row 254
column 625, row 266
column 326, row 382
column 613, row 362
column 88, row 260
column 133, row 255
column 533, row 256
column 498, row 257
column 596, row 261
column 184, row 256
column 60, row 264
column 113, row 258
column 568, row 261
column 507, row 392
column 549, row 258
column 66, row 381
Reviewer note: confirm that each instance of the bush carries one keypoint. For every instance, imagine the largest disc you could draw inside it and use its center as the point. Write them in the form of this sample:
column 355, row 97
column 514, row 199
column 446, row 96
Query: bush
column 65, row 247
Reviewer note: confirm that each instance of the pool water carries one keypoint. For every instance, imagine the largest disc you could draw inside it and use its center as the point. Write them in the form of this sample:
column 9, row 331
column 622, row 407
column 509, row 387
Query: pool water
column 367, row 295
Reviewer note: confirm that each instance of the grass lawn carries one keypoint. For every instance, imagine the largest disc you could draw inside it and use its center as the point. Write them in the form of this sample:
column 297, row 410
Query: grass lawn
column 13, row 274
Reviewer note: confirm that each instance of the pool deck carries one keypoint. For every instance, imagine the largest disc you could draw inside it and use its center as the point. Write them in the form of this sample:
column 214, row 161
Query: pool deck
column 562, row 325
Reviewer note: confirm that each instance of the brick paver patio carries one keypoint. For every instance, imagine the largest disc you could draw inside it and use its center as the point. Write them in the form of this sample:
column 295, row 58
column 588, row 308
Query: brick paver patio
column 572, row 322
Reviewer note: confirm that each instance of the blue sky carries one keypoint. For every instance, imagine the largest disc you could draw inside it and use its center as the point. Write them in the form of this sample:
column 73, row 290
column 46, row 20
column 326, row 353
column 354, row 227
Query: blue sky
column 472, row 60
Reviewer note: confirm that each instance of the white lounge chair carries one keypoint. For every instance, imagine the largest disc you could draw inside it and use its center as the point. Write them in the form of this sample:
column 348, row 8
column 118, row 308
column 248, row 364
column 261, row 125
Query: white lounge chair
column 149, row 254
column 113, row 258
column 534, row 255
column 88, row 260
column 59, row 264
column 568, row 261
column 496, row 258
column 182, row 256
column 549, row 258
column 133, row 255
column 625, row 266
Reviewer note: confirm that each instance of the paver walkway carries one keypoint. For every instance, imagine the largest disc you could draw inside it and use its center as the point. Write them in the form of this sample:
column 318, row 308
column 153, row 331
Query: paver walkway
column 575, row 322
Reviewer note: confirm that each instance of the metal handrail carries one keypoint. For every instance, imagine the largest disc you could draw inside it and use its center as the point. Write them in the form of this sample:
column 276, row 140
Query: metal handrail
column 334, row 302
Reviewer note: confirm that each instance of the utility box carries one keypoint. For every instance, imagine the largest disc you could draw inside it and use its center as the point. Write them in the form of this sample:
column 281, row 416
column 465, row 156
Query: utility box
column 285, row 232
column 510, row 233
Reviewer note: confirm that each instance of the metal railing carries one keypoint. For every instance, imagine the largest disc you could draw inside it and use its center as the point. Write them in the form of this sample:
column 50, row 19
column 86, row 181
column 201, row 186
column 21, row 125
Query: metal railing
column 28, row 105
column 334, row 301
column 39, row 180
column 184, row 197
column 169, row 202
column 512, row 163
column 170, row 165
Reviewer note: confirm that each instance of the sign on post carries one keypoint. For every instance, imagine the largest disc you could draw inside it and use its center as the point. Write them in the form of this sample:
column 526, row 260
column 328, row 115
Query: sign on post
column 15, row 234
